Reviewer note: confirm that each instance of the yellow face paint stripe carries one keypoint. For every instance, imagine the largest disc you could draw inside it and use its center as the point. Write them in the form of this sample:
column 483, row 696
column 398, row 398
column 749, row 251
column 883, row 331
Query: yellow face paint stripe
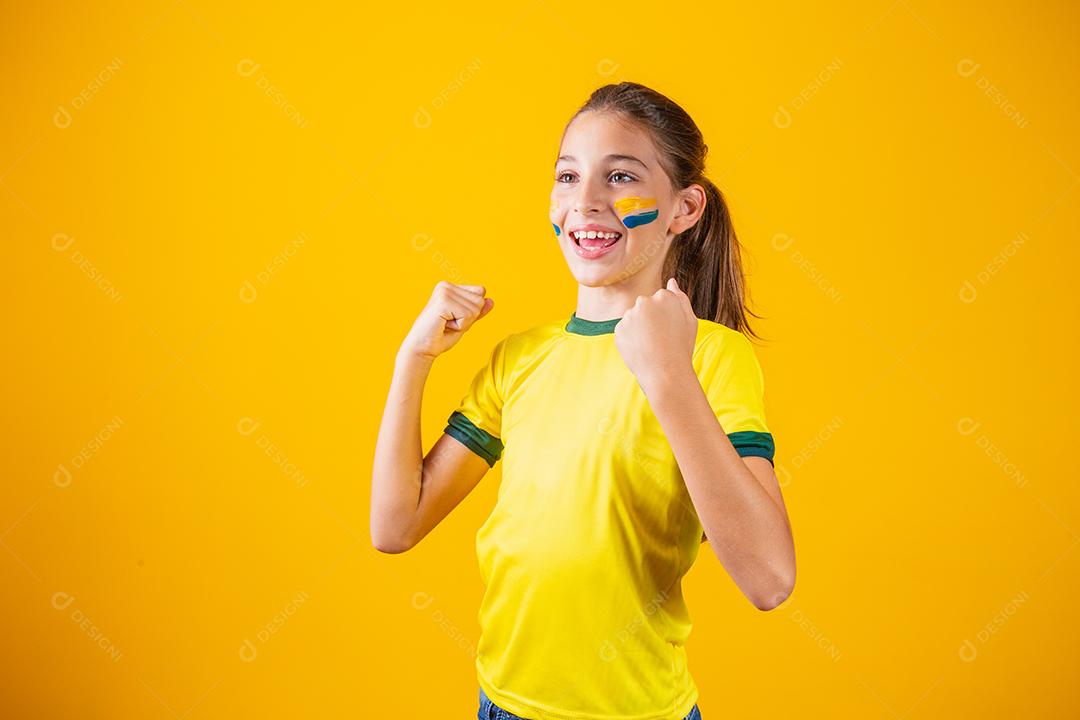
column 633, row 204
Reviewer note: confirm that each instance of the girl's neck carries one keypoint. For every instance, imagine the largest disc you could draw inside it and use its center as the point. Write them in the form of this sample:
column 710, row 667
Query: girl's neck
column 612, row 301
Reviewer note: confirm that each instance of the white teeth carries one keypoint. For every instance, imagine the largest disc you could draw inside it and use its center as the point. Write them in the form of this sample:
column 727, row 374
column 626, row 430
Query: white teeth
column 593, row 234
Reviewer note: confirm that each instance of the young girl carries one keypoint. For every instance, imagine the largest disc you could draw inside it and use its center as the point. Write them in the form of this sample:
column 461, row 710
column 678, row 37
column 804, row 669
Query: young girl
column 630, row 432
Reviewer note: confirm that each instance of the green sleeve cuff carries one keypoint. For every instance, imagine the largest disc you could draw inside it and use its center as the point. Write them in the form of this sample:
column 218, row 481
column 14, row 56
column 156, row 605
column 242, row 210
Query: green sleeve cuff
column 479, row 441
column 753, row 442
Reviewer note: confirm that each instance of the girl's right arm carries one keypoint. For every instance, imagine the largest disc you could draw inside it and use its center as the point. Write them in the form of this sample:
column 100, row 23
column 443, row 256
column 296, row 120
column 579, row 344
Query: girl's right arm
column 410, row 493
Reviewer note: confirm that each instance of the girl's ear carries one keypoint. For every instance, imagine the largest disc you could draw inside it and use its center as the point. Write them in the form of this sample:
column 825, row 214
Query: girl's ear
column 689, row 205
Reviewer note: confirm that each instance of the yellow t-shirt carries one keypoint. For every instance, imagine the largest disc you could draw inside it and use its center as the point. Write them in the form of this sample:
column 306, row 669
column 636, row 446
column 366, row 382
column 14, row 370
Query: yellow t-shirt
column 583, row 555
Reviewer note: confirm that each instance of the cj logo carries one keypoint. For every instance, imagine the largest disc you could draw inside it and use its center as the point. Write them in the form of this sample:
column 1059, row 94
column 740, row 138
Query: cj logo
column 782, row 118
column 967, row 67
column 422, row 118
column 62, row 600
column 62, row 118
column 62, row 476
column 247, row 67
column 245, row 426
column 61, row 242
column 248, row 651
column 248, row 293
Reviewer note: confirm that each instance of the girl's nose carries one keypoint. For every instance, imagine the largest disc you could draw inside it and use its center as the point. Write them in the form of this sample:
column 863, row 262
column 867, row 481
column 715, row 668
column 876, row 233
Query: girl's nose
column 586, row 204
column 589, row 198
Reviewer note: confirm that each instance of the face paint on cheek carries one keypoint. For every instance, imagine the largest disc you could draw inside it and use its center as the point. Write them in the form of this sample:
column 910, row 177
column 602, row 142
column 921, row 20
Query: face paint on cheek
column 636, row 211
column 554, row 207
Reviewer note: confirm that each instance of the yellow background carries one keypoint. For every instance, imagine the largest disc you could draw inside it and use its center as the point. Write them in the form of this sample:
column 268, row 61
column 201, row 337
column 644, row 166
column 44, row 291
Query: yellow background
column 212, row 259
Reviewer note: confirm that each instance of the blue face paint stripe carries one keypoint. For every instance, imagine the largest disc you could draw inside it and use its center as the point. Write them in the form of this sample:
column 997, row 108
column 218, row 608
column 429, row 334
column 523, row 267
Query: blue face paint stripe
column 557, row 230
column 633, row 221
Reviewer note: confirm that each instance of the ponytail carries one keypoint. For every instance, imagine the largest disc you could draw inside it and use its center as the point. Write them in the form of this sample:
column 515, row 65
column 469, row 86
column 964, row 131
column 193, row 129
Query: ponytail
column 705, row 261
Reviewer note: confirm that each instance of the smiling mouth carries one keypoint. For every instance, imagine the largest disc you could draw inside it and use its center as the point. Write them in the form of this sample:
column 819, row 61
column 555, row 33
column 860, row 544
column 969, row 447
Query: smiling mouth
column 595, row 240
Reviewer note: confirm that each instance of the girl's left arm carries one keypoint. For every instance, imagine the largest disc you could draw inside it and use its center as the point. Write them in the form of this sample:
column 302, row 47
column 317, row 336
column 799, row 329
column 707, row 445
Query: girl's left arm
column 737, row 500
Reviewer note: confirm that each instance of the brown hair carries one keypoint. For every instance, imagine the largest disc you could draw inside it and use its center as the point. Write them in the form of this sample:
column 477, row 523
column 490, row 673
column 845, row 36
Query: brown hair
column 705, row 259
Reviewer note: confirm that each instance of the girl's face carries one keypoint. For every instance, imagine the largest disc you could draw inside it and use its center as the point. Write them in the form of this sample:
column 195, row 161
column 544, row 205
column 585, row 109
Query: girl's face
column 612, row 206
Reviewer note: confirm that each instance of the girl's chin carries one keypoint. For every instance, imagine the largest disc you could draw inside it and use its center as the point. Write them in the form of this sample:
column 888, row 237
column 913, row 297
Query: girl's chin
column 594, row 274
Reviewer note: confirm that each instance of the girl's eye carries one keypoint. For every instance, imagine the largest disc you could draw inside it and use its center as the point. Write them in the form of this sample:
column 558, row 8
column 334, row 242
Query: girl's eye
column 615, row 173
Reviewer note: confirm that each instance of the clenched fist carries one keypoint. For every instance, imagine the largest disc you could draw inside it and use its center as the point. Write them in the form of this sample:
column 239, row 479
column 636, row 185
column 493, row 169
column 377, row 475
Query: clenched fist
column 451, row 311
column 656, row 336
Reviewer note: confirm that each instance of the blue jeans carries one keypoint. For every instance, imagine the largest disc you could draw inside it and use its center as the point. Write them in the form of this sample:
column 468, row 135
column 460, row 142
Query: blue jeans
column 491, row 711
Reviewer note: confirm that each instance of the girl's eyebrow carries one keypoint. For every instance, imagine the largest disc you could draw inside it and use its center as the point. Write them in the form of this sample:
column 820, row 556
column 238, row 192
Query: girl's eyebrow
column 623, row 158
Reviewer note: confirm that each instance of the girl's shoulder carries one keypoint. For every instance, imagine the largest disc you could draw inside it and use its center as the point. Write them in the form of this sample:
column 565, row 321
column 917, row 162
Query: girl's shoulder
column 710, row 333
column 529, row 341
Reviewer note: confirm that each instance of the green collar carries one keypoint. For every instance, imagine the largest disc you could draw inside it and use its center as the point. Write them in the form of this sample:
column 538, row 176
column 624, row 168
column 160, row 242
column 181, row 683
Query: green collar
column 580, row 326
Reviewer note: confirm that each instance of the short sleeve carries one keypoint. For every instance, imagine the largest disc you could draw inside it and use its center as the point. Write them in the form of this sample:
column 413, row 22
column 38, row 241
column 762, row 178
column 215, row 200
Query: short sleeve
column 735, row 386
column 477, row 421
